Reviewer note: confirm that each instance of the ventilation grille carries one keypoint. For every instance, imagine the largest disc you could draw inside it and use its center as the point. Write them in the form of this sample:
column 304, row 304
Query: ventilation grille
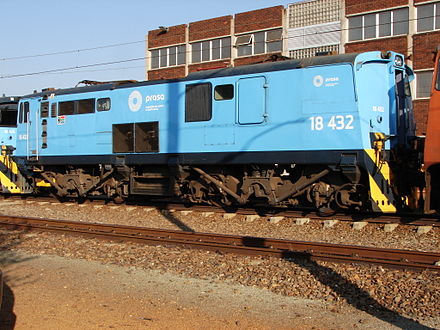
column 310, row 52
column 314, row 36
column 314, row 12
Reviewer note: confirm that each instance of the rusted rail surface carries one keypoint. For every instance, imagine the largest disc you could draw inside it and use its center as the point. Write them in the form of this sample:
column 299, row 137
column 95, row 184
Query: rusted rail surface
column 235, row 244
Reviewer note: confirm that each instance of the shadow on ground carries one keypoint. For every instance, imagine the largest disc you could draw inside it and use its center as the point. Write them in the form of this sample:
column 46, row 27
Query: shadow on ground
column 9, row 240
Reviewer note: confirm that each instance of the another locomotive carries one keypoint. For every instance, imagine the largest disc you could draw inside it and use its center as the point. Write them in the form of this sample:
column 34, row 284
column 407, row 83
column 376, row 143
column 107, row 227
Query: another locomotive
column 432, row 145
column 325, row 132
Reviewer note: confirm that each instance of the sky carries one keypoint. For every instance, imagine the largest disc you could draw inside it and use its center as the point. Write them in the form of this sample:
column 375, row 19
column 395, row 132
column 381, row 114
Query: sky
column 82, row 33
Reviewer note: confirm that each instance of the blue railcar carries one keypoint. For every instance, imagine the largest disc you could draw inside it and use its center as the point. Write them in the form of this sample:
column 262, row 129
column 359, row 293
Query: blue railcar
column 8, row 120
column 314, row 132
column 10, row 178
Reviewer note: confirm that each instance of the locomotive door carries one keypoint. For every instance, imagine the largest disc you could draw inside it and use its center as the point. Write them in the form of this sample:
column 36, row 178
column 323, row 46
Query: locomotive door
column 32, row 130
column 252, row 100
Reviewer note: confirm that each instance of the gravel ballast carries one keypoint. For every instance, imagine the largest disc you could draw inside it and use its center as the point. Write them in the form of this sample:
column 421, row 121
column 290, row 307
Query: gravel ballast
column 384, row 293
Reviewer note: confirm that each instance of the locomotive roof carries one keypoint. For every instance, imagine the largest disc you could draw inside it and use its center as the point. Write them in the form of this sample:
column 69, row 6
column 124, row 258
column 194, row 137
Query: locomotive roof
column 9, row 99
column 225, row 72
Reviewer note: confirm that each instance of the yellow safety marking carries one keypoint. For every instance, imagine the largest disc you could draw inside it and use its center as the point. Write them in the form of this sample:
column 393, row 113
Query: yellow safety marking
column 9, row 163
column 379, row 177
column 8, row 184
column 5, row 180
column 43, row 183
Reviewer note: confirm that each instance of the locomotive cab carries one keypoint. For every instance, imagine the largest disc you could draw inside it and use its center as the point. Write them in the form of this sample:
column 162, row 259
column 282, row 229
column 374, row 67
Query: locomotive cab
column 8, row 121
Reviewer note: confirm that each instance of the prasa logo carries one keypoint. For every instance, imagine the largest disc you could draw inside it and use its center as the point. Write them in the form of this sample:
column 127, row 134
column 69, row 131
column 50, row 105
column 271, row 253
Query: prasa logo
column 135, row 100
column 319, row 81
column 157, row 97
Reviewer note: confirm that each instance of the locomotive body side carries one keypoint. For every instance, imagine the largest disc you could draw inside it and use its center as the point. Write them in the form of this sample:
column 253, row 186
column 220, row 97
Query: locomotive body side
column 315, row 131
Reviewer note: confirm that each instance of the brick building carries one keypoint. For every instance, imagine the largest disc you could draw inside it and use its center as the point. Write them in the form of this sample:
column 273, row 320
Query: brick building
column 409, row 27
column 215, row 43
column 303, row 29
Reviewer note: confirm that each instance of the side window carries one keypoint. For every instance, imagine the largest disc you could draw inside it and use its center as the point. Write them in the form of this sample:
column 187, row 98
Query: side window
column 103, row 104
column 76, row 107
column 66, row 108
column 8, row 115
column 44, row 109
column 24, row 112
column 20, row 113
column 198, row 102
column 85, row 106
column 224, row 92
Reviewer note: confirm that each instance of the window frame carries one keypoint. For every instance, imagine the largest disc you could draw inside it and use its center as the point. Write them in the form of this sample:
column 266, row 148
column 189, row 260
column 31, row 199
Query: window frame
column 427, row 91
column 216, row 93
column 98, row 104
column 76, row 107
column 24, row 111
column 252, row 41
column 363, row 28
column 12, row 114
column 434, row 15
column 197, row 50
column 163, row 57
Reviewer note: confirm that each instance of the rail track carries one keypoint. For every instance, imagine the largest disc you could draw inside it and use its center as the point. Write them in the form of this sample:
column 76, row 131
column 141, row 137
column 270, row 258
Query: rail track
column 378, row 218
column 245, row 245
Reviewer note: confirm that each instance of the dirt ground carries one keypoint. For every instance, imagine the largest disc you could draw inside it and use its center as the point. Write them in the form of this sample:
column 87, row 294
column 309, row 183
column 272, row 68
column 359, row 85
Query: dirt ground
column 51, row 292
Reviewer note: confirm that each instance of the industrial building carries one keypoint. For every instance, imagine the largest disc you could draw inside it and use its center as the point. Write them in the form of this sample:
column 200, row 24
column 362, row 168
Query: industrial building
column 303, row 29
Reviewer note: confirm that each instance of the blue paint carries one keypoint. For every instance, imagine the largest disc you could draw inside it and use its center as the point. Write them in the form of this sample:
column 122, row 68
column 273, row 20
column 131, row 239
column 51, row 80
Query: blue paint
column 324, row 107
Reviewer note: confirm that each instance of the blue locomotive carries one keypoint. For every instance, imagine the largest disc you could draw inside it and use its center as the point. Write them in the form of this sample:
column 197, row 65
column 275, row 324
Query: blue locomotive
column 317, row 132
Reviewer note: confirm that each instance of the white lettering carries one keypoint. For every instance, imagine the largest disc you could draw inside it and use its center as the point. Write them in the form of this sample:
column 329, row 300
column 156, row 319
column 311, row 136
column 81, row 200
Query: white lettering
column 155, row 97
column 338, row 122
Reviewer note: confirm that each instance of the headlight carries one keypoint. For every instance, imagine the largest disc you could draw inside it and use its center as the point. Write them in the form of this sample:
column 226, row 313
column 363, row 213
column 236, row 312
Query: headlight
column 398, row 61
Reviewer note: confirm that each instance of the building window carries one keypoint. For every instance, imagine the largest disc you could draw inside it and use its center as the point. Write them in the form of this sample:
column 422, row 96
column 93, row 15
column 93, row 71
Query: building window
column 259, row 42
column 376, row 25
column 423, row 84
column 168, row 56
column 211, row 50
column 428, row 17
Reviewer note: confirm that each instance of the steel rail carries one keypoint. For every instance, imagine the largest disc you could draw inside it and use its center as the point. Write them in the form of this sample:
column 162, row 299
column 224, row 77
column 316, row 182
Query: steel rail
column 235, row 244
column 378, row 218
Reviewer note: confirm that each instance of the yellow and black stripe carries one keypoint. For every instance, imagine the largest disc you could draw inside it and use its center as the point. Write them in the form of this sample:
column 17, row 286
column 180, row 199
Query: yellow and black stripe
column 11, row 180
column 380, row 177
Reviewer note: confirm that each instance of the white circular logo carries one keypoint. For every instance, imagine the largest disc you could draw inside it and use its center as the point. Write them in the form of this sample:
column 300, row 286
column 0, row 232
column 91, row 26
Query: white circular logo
column 135, row 101
column 318, row 81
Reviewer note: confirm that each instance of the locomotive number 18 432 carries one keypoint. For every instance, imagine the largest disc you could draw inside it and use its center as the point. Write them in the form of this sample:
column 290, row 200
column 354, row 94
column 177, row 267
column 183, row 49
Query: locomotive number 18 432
column 337, row 122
